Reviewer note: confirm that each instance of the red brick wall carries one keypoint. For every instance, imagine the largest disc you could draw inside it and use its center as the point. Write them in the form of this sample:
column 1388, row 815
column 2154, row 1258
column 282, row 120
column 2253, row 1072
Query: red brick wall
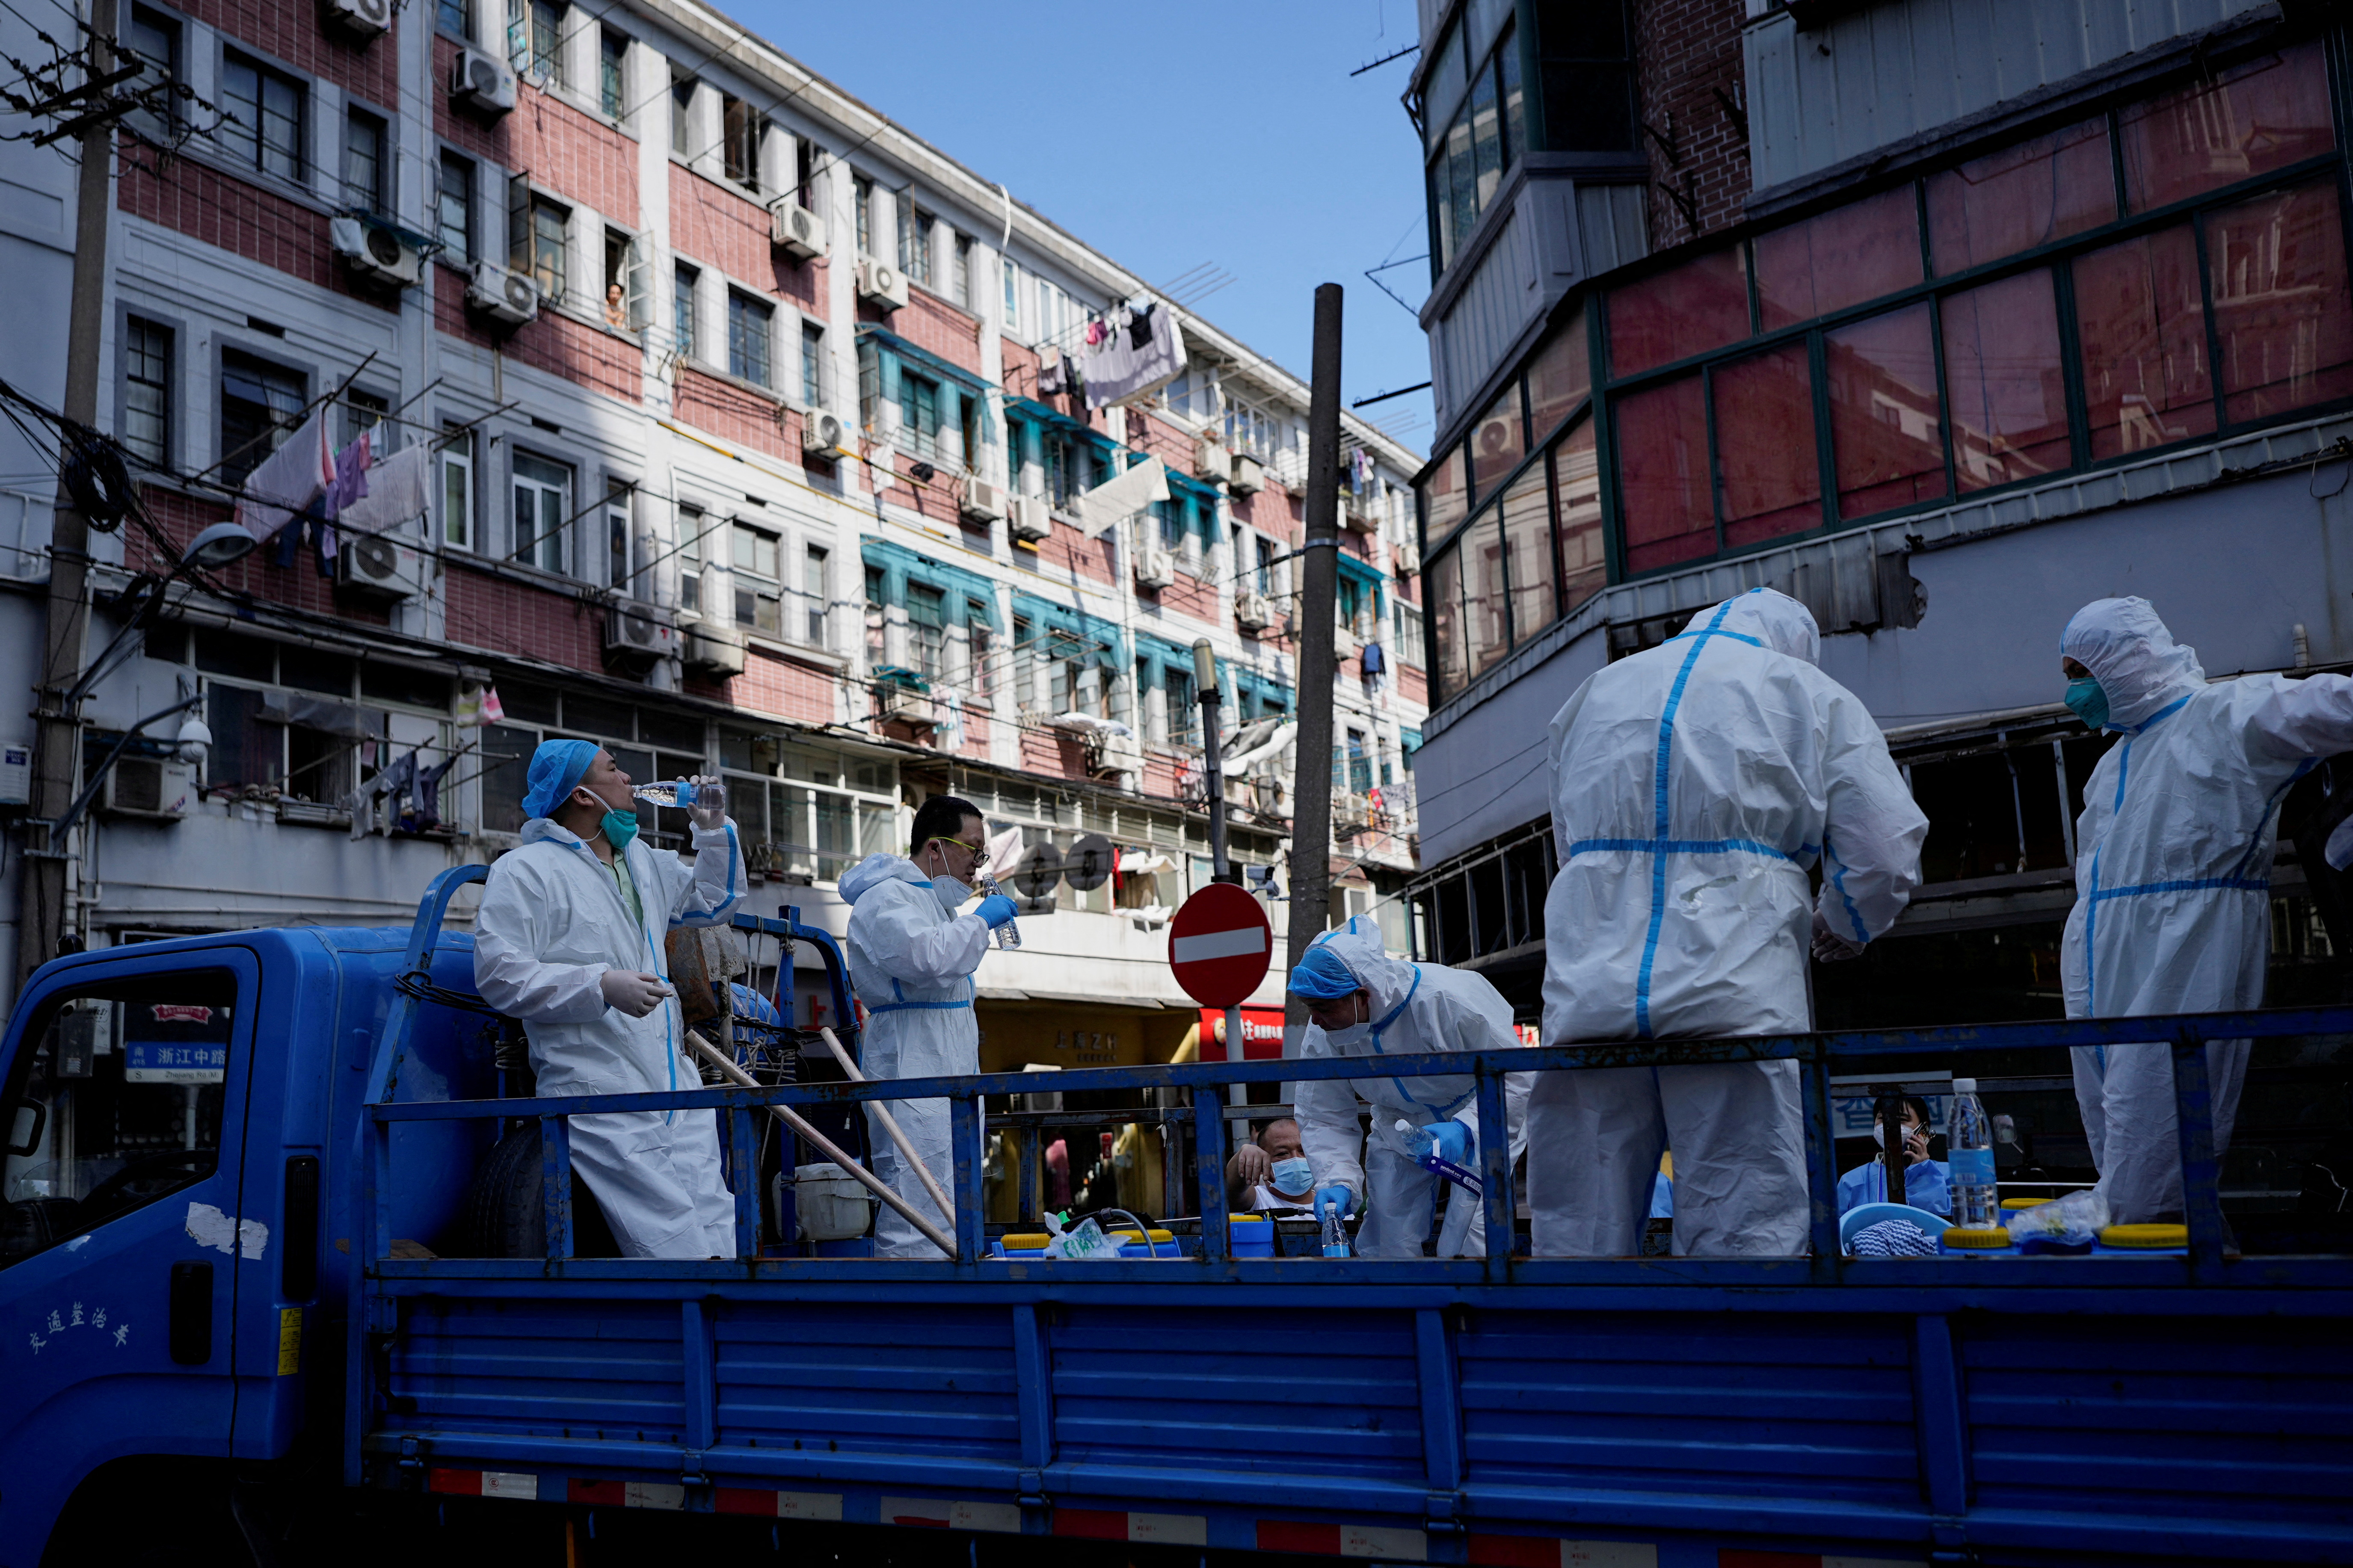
column 783, row 687
column 711, row 223
column 567, row 152
column 1068, row 549
column 935, row 501
column 555, row 343
column 243, row 219
column 1188, row 596
column 1412, row 686
column 728, row 411
column 1687, row 55
column 299, row 585
column 1272, row 510
column 1021, row 369
column 505, row 616
column 291, row 31
column 930, row 322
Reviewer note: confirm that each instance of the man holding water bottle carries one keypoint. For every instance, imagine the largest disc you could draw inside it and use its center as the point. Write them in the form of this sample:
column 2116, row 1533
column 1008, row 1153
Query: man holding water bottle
column 569, row 942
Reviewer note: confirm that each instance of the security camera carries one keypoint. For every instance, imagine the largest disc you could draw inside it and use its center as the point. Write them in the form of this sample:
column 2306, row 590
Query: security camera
column 196, row 740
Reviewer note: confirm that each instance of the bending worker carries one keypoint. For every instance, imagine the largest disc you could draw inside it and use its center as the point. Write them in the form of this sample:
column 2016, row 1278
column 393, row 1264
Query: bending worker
column 569, row 942
column 912, row 957
column 1693, row 785
column 1364, row 1002
column 2173, row 857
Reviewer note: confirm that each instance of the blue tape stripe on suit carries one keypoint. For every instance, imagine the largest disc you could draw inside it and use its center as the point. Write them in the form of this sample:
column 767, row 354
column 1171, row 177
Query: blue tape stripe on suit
column 1659, row 801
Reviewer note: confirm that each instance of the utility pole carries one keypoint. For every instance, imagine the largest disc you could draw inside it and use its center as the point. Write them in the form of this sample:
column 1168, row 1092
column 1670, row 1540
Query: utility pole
column 1221, row 869
column 1310, row 785
column 41, row 921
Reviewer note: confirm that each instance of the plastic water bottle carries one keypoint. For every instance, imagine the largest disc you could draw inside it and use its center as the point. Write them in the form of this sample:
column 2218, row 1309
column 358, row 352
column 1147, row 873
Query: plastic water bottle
column 1970, row 1157
column 1335, row 1235
column 1426, row 1155
column 1009, row 935
column 677, row 793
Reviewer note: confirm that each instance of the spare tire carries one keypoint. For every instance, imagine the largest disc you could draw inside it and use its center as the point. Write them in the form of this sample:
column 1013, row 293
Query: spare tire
column 504, row 1214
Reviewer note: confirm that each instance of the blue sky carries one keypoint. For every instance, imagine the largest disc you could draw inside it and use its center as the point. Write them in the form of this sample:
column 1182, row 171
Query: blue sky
column 1221, row 133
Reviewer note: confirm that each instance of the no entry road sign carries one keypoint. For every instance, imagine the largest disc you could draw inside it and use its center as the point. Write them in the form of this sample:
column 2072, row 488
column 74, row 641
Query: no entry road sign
column 1220, row 945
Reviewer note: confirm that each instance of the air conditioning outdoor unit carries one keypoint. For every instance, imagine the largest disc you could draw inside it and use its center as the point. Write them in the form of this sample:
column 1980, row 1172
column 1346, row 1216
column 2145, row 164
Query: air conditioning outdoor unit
column 1028, row 519
column 1252, row 613
column 374, row 252
column 158, row 788
column 502, row 295
column 1249, row 476
column 365, row 18
column 483, row 81
column 982, row 502
column 906, row 705
column 1211, row 460
column 1405, row 559
column 880, row 284
column 798, row 231
column 714, row 649
column 821, row 433
column 1345, row 644
column 1154, row 569
column 384, row 568
column 642, row 631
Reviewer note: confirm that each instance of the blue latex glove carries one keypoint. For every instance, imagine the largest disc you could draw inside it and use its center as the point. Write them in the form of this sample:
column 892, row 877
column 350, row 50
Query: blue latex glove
column 994, row 909
column 1338, row 1196
column 1451, row 1141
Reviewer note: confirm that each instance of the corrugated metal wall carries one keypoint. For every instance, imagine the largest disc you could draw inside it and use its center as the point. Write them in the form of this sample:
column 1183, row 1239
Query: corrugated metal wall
column 1496, row 303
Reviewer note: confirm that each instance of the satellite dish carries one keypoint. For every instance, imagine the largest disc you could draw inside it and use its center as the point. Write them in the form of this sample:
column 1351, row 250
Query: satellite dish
column 1088, row 864
column 1037, row 872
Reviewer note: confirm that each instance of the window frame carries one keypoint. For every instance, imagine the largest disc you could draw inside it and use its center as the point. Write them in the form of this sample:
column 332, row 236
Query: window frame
column 544, row 544
column 164, row 385
column 443, row 166
column 612, row 72
column 458, row 461
column 249, row 147
column 366, row 135
column 751, row 326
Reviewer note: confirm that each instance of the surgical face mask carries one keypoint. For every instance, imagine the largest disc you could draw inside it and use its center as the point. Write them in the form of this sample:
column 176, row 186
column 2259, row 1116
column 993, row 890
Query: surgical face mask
column 950, row 892
column 1292, row 1175
column 620, row 826
column 2088, row 701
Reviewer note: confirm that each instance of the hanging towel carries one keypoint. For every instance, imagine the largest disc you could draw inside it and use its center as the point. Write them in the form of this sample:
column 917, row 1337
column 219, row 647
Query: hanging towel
column 289, row 480
column 350, row 480
column 309, row 523
column 425, row 795
column 395, row 492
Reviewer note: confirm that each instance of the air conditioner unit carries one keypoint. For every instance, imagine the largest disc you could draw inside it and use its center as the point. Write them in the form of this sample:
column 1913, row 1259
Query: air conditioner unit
column 1345, row 644
column 504, row 296
column 982, row 502
column 158, row 788
column 365, row 19
column 1248, row 477
column 883, row 285
column 483, row 81
column 1028, row 519
column 793, row 228
column 638, row 630
column 1405, row 559
column 384, row 568
column 1154, row 569
column 1211, row 460
column 714, row 648
column 374, row 252
column 1356, row 517
column 905, row 705
column 821, row 434
column 1252, row 613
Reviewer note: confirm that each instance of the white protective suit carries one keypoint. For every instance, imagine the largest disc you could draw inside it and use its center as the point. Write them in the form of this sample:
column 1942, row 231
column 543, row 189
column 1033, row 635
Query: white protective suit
column 1693, row 785
column 551, row 924
column 2173, row 859
column 911, row 964
column 1416, row 1008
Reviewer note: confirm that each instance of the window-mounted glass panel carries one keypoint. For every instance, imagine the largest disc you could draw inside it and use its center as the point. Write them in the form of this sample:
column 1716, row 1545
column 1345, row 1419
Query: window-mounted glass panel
column 2005, row 379
column 1486, row 634
column 2245, row 121
column 2035, row 193
column 1498, row 441
column 1688, row 310
column 1443, row 498
column 1844, row 257
column 1559, row 377
column 2142, row 330
column 1445, row 586
column 1527, row 544
column 1772, row 477
column 1662, row 479
column 1577, row 499
column 2281, row 312
column 1887, row 420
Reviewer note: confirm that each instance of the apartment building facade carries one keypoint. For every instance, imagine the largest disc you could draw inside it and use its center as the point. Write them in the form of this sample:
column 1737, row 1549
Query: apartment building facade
column 1944, row 320
column 758, row 440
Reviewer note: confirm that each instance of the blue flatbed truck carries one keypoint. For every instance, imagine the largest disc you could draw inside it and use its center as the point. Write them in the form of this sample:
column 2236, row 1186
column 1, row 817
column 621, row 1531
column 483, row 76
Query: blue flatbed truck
column 215, row 1317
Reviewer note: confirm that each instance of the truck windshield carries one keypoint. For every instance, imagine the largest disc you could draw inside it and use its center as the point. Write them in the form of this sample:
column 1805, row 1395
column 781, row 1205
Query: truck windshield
column 114, row 1100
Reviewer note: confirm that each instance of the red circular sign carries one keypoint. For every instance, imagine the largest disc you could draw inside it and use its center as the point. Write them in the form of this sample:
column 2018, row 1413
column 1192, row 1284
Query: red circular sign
column 1220, row 945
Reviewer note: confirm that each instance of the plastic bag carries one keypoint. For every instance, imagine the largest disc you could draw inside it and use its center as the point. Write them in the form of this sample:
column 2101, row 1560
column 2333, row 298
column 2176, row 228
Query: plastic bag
column 1084, row 1241
column 2078, row 1217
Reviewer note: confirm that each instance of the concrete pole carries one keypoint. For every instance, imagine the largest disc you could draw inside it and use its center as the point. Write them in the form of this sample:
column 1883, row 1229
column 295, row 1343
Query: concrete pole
column 42, row 911
column 1310, row 785
column 1204, row 682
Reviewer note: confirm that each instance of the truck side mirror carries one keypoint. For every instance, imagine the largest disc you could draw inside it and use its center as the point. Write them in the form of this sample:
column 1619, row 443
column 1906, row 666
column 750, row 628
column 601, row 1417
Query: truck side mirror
column 38, row 1114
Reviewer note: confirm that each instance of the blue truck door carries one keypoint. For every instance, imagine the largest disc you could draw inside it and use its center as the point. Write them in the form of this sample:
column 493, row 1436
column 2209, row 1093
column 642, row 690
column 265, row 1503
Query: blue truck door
column 122, row 1117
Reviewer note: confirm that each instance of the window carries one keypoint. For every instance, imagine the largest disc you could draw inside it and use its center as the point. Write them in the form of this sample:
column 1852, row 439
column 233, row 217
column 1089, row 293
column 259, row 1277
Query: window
column 1252, row 430
column 739, row 135
column 805, row 175
column 361, row 411
column 539, row 52
column 1360, row 764
column 919, row 414
column 861, row 202
column 981, row 647
column 926, row 629
column 537, row 236
column 813, row 376
column 625, row 281
column 147, row 390
column 458, row 488
column 543, row 510
column 1265, row 571
column 453, row 18
column 1408, row 639
column 960, row 273
column 264, row 122
column 681, row 114
column 453, row 207
column 2006, row 376
column 620, row 572
column 1474, row 120
column 682, row 317
column 154, row 39
column 748, row 325
column 1687, row 309
column 814, row 593
column 261, row 403
column 915, row 244
column 1012, row 276
column 757, row 584
column 612, row 56
column 364, row 162
column 2232, row 126
column 2042, row 190
column 1176, row 682
column 1861, row 251
column 119, row 1100
column 690, row 525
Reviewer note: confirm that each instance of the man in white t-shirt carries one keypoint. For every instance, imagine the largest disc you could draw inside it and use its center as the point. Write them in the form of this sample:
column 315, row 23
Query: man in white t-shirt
column 1271, row 1172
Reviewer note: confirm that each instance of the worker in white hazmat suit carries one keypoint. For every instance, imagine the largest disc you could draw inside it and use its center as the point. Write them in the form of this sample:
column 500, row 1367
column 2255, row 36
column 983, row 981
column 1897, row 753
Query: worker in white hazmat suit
column 912, row 957
column 2173, row 857
column 1364, row 1002
column 569, row 942
column 1693, row 787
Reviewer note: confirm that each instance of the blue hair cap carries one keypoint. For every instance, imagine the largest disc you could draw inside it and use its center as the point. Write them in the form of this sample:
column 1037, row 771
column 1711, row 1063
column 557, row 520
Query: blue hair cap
column 1321, row 976
column 555, row 770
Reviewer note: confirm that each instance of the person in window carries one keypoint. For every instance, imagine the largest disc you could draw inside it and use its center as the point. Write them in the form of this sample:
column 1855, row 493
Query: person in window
column 1272, row 1171
column 569, row 941
column 1924, row 1184
column 617, row 309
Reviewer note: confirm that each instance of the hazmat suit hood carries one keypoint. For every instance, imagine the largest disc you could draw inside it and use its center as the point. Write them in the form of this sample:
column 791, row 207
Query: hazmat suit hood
column 876, row 869
column 1357, row 945
column 2135, row 660
column 1774, row 619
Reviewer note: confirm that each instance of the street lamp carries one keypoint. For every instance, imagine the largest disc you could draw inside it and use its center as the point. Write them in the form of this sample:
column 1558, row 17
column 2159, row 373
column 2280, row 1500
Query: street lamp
column 219, row 545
